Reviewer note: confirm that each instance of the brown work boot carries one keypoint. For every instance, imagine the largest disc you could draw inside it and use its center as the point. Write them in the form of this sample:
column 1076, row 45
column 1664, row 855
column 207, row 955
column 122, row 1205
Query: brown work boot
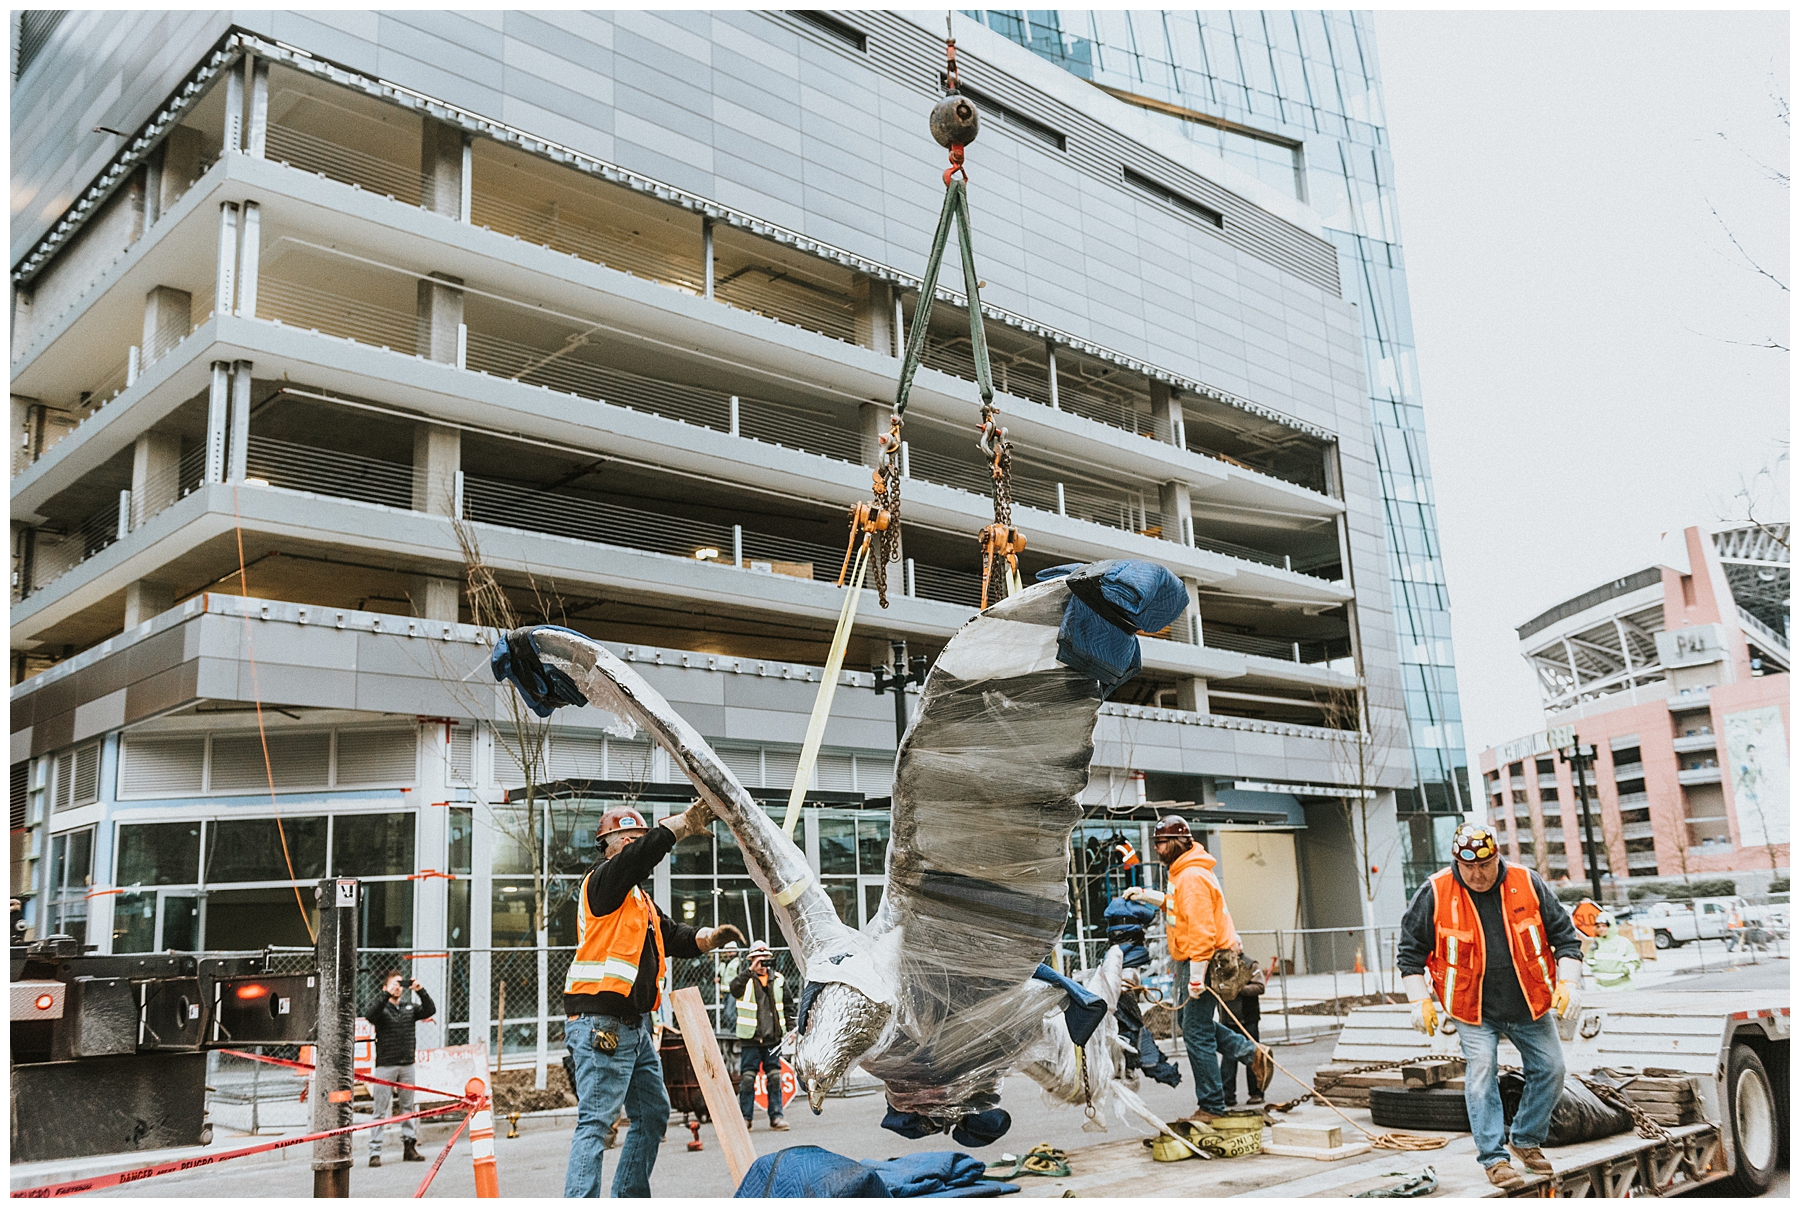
column 1502, row 1174
column 410, row 1151
column 1262, row 1064
column 1533, row 1159
column 1199, row 1116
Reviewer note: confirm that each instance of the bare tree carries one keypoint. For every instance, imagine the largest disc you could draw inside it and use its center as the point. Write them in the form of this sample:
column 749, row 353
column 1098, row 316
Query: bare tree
column 1744, row 256
column 1361, row 748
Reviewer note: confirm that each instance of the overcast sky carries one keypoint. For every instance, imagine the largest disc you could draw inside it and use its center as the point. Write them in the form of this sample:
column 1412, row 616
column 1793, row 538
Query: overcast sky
column 1575, row 300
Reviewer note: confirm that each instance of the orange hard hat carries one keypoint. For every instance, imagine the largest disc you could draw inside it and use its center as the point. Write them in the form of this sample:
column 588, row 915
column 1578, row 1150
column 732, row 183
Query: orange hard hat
column 620, row 818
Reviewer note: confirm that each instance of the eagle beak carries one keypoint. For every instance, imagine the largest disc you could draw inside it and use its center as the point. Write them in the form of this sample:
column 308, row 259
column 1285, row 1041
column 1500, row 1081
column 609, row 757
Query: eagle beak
column 815, row 1096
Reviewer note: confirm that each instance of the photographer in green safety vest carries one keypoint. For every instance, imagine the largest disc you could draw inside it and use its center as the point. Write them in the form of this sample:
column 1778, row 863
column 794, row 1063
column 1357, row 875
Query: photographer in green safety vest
column 762, row 1009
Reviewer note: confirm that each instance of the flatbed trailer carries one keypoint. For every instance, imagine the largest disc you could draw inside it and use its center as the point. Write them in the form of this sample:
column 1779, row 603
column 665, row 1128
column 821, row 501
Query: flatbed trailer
column 1733, row 1044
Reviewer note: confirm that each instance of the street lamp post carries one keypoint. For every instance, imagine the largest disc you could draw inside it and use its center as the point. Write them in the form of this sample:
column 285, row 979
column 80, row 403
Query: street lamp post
column 1581, row 758
column 897, row 681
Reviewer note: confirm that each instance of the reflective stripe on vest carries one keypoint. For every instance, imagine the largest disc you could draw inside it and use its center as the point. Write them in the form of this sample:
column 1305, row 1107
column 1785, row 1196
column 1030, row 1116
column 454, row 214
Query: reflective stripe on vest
column 1459, row 955
column 606, row 961
column 746, row 1007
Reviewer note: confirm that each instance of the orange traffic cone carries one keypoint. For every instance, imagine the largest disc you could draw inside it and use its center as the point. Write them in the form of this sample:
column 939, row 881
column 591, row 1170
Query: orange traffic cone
column 1359, row 962
column 481, row 1143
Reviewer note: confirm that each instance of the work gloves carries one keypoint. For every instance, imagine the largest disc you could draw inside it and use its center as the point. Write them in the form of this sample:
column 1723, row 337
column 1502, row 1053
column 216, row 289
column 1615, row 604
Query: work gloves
column 693, row 821
column 1139, row 894
column 1197, row 977
column 1424, row 1011
column 723, row 935
column 1566, row 1001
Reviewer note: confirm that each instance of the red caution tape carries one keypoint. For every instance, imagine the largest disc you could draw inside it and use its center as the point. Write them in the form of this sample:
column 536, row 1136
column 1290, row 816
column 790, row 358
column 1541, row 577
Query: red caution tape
column 358, row 1075
column 445, row 1152
column 98, row 1182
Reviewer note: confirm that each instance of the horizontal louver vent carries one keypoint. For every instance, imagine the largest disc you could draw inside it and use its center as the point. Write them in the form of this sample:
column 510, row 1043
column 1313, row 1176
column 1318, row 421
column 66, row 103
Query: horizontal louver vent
column 627, row 760
column 462, row 755
column 87, row 775
column 21, row 793
column 837, row 773
column 745, row 763
column 577, row 756
column 366, row 757
column 162, row 767
column 296, row 761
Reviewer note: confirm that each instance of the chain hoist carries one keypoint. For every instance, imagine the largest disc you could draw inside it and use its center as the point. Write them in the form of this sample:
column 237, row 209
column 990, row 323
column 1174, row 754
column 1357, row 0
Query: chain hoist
column 954, row 124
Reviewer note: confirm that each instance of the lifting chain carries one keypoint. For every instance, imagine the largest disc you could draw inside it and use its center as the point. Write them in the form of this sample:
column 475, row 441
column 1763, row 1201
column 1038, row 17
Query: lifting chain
column 954, row 124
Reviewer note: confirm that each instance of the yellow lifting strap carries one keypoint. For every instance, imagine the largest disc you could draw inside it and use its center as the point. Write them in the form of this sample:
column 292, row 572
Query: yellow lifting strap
column 868, row 521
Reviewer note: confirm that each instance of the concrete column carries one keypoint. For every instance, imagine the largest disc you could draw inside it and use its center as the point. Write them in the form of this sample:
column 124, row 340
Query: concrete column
column 481, row 893
column 168, row 317
column 437, row 456
column 249, row 254
column 1177, row 513
column 256, row 116
column 237, row 462
column 441, row 168
column 431, row 904
column 874, row 303
column 234, row 107
column 225, row 284
column 1191, row 618
column 1050, row 369
column 180, row 167
column 706, row 256
column 434, row 599
column 440, row 318
column 1190, row 695
column 874, row 418
column 146, row 598
column 155, row 474
column 218, row 407
column 1165, row 407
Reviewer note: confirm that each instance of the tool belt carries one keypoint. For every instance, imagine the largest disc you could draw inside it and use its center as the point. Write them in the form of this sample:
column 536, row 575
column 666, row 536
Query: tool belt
column 1229, row 972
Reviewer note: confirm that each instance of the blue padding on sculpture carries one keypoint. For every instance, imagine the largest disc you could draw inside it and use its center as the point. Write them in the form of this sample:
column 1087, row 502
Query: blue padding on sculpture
column 545, row 689
column 1085, row 1010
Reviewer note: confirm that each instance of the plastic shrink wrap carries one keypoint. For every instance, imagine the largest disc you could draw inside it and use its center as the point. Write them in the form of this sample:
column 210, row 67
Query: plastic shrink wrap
column 938, row 997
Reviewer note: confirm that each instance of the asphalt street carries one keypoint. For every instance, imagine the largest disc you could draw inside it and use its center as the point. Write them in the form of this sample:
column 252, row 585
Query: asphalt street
column 533, row 1163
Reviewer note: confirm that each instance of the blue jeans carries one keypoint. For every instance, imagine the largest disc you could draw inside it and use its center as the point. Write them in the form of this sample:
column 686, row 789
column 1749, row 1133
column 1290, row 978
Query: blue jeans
column 1205, row 1040
column 630, row 1077
column 1541, row 1049
column 766, row 1058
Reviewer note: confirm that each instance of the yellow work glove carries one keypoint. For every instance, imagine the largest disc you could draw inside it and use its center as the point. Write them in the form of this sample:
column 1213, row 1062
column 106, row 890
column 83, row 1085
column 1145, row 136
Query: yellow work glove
column 1424, row 1011
column 1566, row 1000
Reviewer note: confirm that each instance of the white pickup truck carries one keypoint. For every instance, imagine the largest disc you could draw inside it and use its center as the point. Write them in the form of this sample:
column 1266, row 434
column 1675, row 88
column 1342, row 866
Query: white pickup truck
column 1676, row 923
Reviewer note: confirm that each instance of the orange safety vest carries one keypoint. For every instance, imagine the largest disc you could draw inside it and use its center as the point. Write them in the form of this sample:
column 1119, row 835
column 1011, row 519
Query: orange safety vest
column 1459, row 956
column 611, row 946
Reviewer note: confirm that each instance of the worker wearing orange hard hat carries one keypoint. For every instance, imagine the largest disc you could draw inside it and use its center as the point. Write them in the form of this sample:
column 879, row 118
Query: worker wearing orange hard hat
column 612, row 991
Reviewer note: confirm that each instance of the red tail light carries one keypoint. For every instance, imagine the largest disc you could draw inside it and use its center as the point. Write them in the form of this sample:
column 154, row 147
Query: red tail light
column 45, row 1001
column 252, row 990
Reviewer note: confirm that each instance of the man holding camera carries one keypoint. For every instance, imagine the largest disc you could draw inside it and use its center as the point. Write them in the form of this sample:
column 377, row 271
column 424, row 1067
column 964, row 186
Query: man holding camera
column 611, row 995
column 396, row 1045
column 762, row 1009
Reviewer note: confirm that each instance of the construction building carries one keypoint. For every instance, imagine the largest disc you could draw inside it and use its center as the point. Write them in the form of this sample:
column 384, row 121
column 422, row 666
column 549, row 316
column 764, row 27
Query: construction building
column 1677, row 676
column 1294, row 97
column 313, row 311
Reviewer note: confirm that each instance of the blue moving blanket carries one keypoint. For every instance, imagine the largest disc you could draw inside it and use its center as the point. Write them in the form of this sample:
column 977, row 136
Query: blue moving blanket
column 808, row 1172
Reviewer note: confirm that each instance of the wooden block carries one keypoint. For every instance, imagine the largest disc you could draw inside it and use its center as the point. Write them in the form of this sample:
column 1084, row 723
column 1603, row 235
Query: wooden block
column 1320, row 1155
column 1424, row 1074
column 1308, row 1136
column 715, row 1086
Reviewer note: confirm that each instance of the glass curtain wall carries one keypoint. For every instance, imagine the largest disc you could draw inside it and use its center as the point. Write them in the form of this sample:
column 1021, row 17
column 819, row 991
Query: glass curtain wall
column 1294, row 97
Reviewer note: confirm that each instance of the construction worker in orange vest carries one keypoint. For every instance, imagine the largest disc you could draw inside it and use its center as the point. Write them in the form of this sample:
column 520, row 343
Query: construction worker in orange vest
column 1199, row 927
column 1505, row 960
column 611, row 995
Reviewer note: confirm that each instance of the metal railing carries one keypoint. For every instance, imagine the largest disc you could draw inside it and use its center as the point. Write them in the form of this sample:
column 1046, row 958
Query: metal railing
column 282, row 463
column 1309, row 652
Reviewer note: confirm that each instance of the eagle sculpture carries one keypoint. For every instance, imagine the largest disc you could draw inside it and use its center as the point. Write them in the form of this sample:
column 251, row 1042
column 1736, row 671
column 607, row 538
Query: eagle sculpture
column 944, row 992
